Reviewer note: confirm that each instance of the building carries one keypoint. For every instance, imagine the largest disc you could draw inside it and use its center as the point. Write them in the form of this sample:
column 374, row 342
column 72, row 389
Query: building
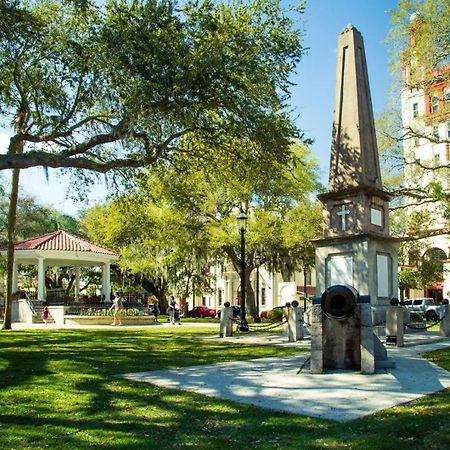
column 269, row 289
column 425, row 111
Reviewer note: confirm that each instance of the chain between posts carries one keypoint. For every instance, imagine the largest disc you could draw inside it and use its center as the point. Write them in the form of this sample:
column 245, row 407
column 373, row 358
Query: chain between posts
column 266, row 327
column 426, row 327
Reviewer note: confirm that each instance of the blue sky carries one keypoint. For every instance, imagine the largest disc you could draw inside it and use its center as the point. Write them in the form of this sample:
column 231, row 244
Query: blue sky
column 313, row 95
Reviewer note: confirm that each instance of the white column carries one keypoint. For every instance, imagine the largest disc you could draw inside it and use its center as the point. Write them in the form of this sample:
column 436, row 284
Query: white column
column 14, row 276
column 41, row 279
column 77, row 283
column 106, row 277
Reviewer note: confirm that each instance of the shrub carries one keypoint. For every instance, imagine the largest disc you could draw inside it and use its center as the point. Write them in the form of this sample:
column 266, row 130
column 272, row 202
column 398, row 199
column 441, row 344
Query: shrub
column 275, row 315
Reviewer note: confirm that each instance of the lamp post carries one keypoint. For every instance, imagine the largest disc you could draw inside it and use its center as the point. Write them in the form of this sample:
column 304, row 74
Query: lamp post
column 257, row 263
column 242, row 225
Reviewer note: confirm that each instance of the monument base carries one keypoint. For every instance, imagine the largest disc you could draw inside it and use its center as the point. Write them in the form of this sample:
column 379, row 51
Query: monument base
column 348, row 343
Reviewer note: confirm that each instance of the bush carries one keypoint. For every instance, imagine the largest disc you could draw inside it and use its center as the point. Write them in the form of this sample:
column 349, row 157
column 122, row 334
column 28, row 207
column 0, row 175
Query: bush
column 275, row 315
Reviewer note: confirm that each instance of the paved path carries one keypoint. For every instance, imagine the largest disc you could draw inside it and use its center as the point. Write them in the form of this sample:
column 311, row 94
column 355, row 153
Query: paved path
column 275, row 383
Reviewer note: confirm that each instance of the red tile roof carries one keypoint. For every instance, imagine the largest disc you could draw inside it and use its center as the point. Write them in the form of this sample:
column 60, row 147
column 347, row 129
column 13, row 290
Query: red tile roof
column 62, row 241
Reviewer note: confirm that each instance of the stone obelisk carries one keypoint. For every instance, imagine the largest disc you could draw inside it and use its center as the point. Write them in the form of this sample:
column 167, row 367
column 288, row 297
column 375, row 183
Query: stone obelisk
column 356, row 248
column 356, row 261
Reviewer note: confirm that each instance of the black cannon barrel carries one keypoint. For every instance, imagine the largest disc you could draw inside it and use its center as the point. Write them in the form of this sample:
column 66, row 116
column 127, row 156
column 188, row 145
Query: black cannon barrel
column 339, row 301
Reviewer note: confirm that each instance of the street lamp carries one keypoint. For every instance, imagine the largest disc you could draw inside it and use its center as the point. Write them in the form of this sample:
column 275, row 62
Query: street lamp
column 242, row 226
column 257, row 263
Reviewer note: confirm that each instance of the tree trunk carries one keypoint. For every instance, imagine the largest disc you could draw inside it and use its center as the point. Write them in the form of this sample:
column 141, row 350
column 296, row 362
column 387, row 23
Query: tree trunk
column 251, row 299
column 250, row 303
column 11, row 237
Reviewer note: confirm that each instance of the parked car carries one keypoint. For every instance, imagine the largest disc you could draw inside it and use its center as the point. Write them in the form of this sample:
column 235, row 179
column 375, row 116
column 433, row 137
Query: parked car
column 236, row 311
column 426, row 306
column 202, row 311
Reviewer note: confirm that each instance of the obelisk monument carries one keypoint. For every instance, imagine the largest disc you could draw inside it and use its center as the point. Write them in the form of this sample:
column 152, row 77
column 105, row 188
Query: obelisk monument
column 356, row 250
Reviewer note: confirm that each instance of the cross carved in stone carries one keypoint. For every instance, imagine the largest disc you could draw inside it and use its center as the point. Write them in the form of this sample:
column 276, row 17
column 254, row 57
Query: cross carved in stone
column 343, row 213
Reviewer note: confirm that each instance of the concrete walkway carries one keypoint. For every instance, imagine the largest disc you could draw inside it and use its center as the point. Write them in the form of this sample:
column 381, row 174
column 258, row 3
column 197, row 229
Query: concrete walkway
column 275, row 383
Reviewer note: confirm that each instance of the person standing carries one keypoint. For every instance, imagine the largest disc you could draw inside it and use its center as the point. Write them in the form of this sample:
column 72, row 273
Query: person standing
column 174, row 311
column 155, row 310
column 117, row 306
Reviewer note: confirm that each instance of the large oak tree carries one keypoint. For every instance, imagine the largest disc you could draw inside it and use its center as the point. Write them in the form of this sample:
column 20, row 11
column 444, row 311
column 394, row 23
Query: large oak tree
column 120, row 86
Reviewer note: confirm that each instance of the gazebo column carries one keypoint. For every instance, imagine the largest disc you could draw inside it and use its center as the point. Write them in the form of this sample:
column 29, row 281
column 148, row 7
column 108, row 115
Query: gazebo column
column 77, row 283
column 14, row 276
column 41, row 279
column 106, row 285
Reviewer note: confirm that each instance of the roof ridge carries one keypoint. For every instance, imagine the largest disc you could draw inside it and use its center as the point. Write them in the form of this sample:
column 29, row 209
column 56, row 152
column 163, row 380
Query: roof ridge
column 40, row 239
column 46, row 241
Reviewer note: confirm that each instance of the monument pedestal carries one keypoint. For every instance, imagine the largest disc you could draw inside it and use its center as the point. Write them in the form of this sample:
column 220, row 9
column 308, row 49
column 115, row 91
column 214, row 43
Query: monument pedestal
column 343, row 344
column 394, row 326
column 294, row 315
column 444, row 326
column 226, row 322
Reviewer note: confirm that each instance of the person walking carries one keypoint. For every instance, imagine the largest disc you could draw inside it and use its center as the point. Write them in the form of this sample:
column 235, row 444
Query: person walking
column 155, row 310
column 117, row 306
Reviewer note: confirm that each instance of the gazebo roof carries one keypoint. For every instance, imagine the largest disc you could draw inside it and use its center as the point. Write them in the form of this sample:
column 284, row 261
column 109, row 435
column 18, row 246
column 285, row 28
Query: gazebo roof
column 61, row 249
column 62, row 241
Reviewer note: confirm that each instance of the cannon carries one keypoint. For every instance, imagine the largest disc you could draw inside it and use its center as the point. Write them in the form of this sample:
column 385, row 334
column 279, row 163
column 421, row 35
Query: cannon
column 341, row 332
column 338, row 302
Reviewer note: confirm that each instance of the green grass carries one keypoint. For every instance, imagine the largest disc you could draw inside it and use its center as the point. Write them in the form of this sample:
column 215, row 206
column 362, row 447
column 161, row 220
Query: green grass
column 58, row 391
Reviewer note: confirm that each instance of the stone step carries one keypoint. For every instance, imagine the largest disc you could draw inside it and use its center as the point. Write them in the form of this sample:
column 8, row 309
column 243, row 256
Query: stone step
column 37, row 318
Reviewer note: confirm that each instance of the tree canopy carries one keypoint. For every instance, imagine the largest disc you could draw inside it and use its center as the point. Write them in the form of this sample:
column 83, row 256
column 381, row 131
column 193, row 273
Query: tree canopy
column 419, row 41
column 177, row 227
column 119, row 86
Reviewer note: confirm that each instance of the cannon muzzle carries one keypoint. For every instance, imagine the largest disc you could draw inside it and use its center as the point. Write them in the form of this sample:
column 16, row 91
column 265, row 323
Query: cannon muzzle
column 339, row 302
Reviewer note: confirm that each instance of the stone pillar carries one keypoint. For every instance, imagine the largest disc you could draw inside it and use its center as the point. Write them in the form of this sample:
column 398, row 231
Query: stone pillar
column 41, row 279
column 77, row 283
column 294, row 323
column 229, row 291
column 444, row 327
column 394, row 326
column 14, row 276
column 226, row 322
column 367, row 339
column 316, row 339
column 106, row 287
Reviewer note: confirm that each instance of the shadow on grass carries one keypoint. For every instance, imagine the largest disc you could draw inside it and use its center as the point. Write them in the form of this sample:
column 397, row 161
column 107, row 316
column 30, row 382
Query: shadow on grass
column 57, row 391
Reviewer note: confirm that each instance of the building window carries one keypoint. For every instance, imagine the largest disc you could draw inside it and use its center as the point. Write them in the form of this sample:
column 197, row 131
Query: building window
column 416, row 142
column 447, row 95
column 434, row 103
column 220, row 297
column 415, row 108
column 448, row 129
column 263, row 296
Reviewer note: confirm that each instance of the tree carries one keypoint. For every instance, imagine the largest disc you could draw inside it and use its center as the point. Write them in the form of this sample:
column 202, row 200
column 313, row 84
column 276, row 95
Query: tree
column 176, row 227
column 34, row 219
column 120, row 87
column 205, row 69
column 419, row 41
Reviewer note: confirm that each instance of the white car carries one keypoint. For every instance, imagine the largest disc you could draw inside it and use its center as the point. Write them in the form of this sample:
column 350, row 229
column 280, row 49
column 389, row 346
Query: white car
column 427, row 306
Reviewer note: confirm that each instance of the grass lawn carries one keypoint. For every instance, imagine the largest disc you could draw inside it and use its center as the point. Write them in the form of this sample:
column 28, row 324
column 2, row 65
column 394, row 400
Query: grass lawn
column 58, row 392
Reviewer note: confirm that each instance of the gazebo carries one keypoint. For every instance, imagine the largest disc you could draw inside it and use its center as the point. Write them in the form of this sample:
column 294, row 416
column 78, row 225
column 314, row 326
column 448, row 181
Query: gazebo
column 61, row 249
